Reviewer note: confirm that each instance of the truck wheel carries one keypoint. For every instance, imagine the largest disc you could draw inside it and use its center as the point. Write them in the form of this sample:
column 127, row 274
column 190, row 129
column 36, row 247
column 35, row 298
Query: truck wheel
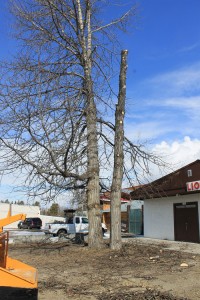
column 103, row 231
column 62, row 232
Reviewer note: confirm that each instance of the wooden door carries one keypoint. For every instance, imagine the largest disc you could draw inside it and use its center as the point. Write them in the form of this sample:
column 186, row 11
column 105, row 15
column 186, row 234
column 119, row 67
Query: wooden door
column 186, row 222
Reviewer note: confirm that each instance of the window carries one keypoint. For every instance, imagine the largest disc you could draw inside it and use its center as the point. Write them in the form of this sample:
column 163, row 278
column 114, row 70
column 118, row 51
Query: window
column 189, row 173
column 84, row 220
column 77, row 220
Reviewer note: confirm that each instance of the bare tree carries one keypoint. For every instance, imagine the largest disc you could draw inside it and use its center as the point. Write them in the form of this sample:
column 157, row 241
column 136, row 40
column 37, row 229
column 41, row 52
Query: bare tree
column 53, row 101
column 116, row 187
column 49, row 126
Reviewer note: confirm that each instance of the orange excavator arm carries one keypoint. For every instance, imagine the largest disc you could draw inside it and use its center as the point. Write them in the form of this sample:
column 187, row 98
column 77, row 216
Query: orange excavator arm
column 10, row 219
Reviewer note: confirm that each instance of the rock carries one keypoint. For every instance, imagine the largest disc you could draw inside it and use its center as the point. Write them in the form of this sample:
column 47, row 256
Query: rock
column 184, row 265
column 154, row 257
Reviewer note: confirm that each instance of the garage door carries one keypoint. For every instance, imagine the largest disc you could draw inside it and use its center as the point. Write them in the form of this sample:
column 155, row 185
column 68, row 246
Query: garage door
column 186, row 222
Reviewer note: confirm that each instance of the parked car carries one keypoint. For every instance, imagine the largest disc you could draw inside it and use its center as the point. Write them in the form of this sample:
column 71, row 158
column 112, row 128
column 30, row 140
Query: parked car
column 30, row 223
column 19, row 224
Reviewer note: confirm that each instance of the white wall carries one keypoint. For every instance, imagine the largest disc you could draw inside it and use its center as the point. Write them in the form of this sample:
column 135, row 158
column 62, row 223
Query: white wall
column 159, row 215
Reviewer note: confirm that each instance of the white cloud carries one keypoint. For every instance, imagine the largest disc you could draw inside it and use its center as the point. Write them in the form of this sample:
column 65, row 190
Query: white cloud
column 167, row 106
column 179, row 81
column 183, row 102
column 189, row 48
column 174, row 155
column 179, row 152
column 146, row 130
column 188, row 106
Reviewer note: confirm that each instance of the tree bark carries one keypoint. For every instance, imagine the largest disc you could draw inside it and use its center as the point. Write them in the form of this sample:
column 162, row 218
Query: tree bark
column 116, row 242
column 95, row 239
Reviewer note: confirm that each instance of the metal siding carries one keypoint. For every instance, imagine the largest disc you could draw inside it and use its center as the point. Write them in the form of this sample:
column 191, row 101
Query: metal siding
column 135, row 221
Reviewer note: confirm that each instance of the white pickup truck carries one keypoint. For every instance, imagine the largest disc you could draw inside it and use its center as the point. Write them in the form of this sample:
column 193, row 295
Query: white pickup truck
column 77, row 224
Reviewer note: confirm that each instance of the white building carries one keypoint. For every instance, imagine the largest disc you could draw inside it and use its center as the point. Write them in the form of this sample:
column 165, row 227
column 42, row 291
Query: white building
column 172, row 205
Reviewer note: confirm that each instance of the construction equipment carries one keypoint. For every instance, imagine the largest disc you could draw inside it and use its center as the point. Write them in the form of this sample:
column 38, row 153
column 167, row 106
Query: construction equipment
column 17, row 280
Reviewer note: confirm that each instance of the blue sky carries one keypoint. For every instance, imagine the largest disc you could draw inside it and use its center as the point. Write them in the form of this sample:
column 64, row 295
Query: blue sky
column 164, row 70
column 163, row 84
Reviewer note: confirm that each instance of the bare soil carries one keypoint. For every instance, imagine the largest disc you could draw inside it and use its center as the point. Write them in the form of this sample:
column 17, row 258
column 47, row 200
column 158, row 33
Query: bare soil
column 139, row 271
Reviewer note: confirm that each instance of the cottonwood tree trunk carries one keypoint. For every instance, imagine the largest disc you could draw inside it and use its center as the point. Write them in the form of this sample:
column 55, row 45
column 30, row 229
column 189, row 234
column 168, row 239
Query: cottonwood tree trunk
column 93, row 202
column 116, row 242
column 95, row 239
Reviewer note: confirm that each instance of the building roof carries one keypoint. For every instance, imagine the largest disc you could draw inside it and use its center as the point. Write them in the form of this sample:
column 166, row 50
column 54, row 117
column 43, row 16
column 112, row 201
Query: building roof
column 172, row 184
column 104, row 198
column 128, row 190
column 125, row 194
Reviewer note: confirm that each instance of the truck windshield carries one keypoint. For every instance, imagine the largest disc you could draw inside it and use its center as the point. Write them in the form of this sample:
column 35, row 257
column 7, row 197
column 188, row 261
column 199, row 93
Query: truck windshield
column 85, row 220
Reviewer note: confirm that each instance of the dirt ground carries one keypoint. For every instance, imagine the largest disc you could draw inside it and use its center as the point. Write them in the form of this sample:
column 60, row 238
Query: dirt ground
column 141, row 270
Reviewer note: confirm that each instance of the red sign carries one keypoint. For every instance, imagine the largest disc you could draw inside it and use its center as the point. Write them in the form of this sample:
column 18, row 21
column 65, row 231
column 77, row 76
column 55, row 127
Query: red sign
column 193, row 186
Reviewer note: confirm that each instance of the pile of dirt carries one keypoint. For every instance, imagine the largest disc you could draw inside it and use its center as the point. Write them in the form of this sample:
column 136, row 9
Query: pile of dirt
column 138, row 271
